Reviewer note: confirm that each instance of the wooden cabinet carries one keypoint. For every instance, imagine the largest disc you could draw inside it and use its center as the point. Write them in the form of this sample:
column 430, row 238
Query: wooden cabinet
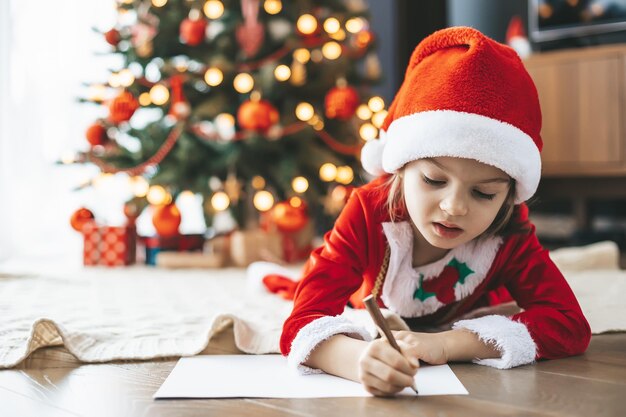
column 582, row 94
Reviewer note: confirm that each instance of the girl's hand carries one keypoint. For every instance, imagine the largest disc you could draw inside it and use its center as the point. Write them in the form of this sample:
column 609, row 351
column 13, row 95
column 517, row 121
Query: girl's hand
column 383, row 370
column 429, row 347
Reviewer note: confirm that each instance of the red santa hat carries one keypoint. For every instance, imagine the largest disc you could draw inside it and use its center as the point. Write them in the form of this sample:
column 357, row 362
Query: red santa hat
column 464, row 95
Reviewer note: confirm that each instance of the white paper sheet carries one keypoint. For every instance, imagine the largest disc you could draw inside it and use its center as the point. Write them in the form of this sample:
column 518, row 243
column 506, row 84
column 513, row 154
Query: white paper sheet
column 267, row 376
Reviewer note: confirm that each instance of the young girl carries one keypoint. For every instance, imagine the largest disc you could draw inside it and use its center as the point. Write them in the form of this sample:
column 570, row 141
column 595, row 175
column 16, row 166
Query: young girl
column 442, row 232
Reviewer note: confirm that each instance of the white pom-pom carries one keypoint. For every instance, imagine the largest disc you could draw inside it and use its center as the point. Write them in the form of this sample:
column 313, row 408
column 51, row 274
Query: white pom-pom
column 372, row 155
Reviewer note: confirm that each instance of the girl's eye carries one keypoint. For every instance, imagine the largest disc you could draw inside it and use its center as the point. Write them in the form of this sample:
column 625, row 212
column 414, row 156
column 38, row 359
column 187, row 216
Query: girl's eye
column 484, row 196
column 432, row 182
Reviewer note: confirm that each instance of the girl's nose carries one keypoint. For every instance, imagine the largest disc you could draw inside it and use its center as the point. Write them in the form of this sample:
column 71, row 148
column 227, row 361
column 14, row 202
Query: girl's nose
column 454, row 204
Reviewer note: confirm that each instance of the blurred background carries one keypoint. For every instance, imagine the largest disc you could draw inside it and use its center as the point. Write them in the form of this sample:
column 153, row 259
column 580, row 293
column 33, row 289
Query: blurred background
column 195, row 119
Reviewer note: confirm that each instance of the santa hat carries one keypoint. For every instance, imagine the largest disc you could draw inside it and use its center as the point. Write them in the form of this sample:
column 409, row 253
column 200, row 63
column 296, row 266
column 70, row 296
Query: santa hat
column 464, row 95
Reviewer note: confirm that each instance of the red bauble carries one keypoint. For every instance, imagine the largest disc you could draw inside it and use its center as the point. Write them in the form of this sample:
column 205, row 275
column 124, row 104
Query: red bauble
column 289, row 218
column 257, row 115
column 122, row 108
column 112, row 37
column 96, row 134
column 341, row 102
column 166, row 220
column 80, row 218
column 192, row 31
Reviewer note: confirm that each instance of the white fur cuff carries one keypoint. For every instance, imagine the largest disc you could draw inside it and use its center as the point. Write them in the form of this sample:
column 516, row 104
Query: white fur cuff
column 316, row 332
column 510, row 337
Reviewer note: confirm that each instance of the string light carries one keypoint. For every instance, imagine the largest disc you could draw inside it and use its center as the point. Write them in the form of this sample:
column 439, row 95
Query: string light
column 97, row 92
column 213, row 76
column 244, row 83
column 282, row 73
column 379, row 118
column 328, row 172
column 340, row 35
column 220, row 201
column 144, row 99
column 225, row 120
column 307, row 24
column 159, row 94
column 345, row 175
column 114, row 80
column 317, row 56
column 331, row 50
column 213, row 9
column 157, row 195
column 304, row 111
column 295, row 202
column 363, row 112
column 300, row 184
column 273, row 6
column 376, row 104
column 139, row 186
column 126, row 77
column 159, row 3
column 332, row 25
column 263, row 200
column 355, row 25
column 185, row 198
column 258, row 182
column 302, row 55
column 368, row 131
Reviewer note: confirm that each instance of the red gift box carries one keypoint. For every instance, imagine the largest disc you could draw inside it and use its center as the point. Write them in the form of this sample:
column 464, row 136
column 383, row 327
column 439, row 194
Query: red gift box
column 109, row 245
column 181, row 243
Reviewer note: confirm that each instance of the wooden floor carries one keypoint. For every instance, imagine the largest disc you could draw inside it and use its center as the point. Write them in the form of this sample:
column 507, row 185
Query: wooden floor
column 53, row 383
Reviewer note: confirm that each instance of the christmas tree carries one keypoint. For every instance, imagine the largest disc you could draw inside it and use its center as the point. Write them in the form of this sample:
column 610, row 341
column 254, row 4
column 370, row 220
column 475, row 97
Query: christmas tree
column 260, row 105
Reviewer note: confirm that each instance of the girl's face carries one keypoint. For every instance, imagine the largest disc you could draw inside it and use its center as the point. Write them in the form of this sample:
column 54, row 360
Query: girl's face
column 453, row 200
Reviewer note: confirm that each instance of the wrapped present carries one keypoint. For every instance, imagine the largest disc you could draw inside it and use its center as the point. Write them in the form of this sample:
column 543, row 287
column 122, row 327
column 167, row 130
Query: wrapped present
column 109, row 245
column 177, row 243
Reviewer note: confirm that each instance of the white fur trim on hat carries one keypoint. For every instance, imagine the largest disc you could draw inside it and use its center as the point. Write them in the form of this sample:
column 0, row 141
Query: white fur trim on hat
column 436, row 133
column 372, row 155
column 510, row 337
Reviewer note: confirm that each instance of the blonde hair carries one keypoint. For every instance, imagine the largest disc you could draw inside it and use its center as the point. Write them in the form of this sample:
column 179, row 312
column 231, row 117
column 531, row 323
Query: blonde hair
column 503, row 224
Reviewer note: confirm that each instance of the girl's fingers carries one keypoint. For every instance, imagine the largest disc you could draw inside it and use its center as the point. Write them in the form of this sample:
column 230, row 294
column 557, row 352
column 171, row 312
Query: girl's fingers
column 384, row 388
column 388, row 355
column 387, row 374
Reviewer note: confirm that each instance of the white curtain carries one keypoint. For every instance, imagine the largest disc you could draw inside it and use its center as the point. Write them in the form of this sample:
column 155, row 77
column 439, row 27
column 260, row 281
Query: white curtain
column 47, row 50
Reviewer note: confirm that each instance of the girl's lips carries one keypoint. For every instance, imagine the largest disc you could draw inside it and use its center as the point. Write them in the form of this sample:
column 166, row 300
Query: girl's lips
column 447, row 232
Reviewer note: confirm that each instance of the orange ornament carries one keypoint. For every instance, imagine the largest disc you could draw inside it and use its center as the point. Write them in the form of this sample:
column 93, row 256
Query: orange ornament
column 192, row 31
column 166, row 219
column 257, row 115
column 96, row 134
column 341, row 102
column 112, row 37
column 80, row 218
column 122, row 108
column 289, row 218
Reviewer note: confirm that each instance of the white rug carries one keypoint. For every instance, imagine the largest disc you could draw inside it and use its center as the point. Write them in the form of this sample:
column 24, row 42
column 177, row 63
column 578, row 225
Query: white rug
column 103, row 314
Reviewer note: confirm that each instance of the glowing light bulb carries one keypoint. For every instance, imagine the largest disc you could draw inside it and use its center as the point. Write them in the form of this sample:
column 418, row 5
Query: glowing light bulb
column 159, row 94
column 97, row 92
column 379, row 118
column 332, row 25
column 295, row 202
column 368, row 131
column 139, row 186
column 331, row 50
column 263, row 200
column 114, row 80
column 376, row 104
column 273, row 6
column 355, row 25
column 345, row 175
column 126, row 77
column 213, row 9
column 304, row 111
column 225, row 120
column 300, row 184
column 363, row 112
column 302, row 55
column 307, row 24
column 282, row 73
column 244, row 83
column 328, row 172
column 258, row 182
column 340, row 35
column 220, row 201
column 213, row 76
column 159, row 3
column 144, row 99
column 157, row 195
